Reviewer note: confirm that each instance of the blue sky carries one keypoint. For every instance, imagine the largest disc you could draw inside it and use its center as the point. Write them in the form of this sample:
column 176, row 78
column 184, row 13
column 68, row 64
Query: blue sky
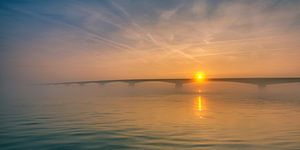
column 74, row 40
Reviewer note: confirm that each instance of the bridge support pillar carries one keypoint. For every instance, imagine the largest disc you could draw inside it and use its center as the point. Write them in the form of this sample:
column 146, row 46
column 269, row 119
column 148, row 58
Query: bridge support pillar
column 101, row 84
column 178, row 85
column 131, row 84
column 261, row 86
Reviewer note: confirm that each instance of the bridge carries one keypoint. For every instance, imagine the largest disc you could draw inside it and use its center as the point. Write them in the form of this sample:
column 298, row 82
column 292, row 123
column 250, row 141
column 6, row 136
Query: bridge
column 260, row 82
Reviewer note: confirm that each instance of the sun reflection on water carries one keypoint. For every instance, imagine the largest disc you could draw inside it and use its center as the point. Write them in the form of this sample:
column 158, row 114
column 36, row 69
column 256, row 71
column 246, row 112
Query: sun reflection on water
column 199, row 106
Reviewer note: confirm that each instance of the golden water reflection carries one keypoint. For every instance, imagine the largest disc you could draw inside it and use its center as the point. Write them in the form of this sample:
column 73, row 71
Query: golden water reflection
column 199, row 106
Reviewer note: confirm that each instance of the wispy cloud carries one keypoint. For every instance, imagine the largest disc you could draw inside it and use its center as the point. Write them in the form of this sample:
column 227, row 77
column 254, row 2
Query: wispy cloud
column 137, row 34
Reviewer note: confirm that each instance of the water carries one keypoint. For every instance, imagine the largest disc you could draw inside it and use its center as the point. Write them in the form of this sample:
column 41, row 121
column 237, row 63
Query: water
column 91, row 120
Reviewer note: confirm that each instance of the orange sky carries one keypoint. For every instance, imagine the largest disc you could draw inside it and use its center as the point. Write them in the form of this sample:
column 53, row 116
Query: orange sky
column 149, row 39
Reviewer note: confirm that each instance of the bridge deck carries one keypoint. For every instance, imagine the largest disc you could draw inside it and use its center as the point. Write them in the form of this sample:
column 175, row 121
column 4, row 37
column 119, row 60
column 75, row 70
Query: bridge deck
column 180, row 82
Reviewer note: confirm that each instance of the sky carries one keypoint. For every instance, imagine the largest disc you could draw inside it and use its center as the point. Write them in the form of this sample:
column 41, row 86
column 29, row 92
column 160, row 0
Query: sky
column 66, row 40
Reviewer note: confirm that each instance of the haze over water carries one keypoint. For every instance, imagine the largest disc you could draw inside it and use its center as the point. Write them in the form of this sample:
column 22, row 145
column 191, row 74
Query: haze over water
column 61, row 41
column 117, row 117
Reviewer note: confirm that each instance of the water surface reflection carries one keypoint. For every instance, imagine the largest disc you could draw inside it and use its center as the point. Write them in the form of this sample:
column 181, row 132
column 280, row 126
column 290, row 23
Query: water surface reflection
column 170, row 121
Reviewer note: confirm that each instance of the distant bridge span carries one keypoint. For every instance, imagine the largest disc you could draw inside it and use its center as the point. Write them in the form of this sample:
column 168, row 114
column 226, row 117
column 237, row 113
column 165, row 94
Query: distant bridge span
column 260, row 82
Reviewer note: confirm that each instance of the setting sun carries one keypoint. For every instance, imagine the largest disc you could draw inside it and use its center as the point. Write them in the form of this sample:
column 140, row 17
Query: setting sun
column 199, row 76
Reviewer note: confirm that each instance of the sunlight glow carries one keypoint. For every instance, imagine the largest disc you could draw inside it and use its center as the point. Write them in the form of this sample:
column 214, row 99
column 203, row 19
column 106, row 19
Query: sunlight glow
column 200, row 76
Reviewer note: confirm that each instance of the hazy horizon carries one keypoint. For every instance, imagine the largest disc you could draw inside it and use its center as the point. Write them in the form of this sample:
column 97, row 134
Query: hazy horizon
column 171, row 41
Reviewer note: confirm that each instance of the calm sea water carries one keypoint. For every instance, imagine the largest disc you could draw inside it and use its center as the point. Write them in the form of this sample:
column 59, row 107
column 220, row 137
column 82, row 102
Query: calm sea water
column 74, row 120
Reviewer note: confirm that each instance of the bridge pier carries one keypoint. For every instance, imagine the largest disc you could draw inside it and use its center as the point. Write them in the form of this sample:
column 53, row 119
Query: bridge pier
column 261, row 86
column 131, row 84
column 102, row 84
column 178, row 85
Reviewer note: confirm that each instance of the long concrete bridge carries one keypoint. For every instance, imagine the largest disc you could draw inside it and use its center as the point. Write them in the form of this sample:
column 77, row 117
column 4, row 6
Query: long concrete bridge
column 260, row 82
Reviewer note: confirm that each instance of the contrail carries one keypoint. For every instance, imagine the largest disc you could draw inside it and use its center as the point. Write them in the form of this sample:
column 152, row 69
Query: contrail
column 90, row 33
column 149, row 35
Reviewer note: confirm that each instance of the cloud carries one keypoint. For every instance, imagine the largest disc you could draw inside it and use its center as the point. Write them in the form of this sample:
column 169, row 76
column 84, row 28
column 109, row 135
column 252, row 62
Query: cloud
column 137, row 34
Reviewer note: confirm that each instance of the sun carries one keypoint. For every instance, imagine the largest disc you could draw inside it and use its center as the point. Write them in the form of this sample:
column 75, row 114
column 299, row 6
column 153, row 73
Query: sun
column 200, row 76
